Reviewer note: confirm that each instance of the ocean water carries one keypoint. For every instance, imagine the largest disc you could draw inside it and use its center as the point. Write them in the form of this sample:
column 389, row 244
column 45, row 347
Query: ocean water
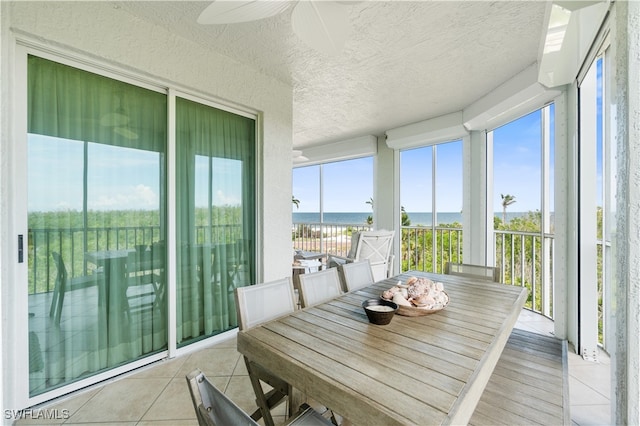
column 416, row 218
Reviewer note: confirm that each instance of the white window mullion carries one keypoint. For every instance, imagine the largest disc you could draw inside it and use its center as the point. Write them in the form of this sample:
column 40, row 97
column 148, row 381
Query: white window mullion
column 172, row 260
column 587, row 238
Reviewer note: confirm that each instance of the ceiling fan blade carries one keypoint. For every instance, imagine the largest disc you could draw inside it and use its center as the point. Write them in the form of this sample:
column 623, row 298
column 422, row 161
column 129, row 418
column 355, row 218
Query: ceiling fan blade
column 323, row 25
column 233, row 11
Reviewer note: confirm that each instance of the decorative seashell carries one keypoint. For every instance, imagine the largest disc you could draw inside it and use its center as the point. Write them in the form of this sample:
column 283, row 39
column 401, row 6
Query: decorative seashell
column 411, row 280
column 424, row 300
column 439, row 286
column 388, row 294
column 398, row 299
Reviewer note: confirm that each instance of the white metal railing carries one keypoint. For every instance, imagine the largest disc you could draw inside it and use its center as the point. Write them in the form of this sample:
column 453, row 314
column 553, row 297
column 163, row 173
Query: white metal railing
column 327, row 238
column 524, row 258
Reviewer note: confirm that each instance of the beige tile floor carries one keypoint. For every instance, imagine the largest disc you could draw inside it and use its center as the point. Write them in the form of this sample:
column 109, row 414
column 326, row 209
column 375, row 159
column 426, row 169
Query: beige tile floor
column 158, row 394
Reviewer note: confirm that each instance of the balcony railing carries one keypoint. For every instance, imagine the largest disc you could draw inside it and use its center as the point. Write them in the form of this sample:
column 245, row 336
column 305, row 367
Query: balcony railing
column 524, row 258
column 73, row 244
column 325, row 238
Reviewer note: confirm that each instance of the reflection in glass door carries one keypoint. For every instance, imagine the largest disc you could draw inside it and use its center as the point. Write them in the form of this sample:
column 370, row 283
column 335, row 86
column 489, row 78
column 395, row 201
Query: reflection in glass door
column 215, row 152
column 96, row 212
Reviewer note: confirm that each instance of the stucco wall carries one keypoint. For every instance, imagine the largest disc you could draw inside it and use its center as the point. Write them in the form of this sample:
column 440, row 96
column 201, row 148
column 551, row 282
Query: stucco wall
column 98, row 29
column 627, row 303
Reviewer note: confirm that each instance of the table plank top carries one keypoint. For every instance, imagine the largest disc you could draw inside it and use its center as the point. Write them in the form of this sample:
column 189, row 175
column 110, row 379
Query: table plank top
column 416, row 370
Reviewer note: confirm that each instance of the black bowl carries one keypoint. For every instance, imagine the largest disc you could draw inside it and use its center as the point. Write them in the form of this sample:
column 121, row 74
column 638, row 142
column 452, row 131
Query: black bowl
column 379, row 311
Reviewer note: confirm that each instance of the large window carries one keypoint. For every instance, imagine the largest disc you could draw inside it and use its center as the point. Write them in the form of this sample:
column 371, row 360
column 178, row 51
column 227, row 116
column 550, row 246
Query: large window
column 329, row 202
column 431, row 206
column 523, row 164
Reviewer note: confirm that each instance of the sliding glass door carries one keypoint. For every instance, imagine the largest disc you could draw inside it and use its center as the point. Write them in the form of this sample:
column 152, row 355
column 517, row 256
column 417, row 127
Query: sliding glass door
column 215, row 216
column 96, row 215
column 102, row 273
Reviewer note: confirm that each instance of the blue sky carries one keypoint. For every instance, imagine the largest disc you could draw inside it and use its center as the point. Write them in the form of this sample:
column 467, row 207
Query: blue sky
column 117, row 179
column 517, row 162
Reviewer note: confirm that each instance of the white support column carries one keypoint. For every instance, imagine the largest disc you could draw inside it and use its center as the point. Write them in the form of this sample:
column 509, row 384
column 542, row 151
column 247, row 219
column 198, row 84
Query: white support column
column 477, row 211
column 386, row 194
column 565, row 219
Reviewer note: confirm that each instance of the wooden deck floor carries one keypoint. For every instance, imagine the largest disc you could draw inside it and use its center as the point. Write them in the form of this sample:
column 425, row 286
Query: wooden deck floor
column 529, row 385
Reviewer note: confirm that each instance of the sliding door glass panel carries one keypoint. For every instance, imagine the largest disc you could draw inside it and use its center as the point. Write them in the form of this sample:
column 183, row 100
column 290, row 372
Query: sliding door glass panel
column 216, row 217
column 96, row 212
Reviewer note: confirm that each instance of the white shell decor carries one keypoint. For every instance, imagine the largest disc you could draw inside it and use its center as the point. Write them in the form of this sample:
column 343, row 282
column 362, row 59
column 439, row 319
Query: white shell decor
column 418, row 296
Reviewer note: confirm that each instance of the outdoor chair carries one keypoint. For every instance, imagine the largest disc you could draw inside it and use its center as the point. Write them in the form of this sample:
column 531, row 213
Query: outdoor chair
column 488, row 273
column 356, row 275
column 144, row 282
column 319, row 287
column 214, row 408
column 64, row 284
column 372, row 245
column 257, row 304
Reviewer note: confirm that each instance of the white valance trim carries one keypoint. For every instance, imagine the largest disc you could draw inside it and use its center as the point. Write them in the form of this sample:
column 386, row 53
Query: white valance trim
column 363, row 146
column 428, row 132
column 514, row 98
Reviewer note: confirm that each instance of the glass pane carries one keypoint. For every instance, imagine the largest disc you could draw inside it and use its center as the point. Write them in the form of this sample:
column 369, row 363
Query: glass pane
column 95, row 210
column 517, row 173
column 353, row 206
column 416, row 185
column 306, row 208
column 416, row 201
column 216, row 217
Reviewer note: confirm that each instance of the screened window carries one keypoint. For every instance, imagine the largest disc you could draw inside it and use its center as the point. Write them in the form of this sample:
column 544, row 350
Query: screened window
column 431, row 206
column 329, row 202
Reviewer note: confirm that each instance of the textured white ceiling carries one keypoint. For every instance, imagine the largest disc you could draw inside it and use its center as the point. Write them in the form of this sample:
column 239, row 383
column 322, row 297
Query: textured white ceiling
column 403, row 62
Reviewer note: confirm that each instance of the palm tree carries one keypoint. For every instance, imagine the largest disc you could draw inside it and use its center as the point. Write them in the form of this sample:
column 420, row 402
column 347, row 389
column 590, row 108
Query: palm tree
column 507, row 200
column 370, row 218
column 295, row 201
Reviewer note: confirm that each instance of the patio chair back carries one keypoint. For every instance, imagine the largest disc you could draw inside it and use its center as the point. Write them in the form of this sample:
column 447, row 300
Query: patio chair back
column 357, row 275
column 319, row 287
column 257, row 304
column 488, row 273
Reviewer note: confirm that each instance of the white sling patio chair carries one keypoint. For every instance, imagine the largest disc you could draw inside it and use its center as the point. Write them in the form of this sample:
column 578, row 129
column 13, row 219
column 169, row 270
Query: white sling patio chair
column 319, row 287
column 214, row 408
column 356, row 275
column 257, row 304
column 372, row 245
column 488, row 273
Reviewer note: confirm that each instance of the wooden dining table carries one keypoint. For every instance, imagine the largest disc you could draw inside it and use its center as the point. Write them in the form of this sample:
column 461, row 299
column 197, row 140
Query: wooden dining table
column 420, row 370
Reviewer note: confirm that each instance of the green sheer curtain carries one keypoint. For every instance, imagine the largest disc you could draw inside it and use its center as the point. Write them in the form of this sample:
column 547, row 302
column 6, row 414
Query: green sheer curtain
column 216, row 216
column 96, row 197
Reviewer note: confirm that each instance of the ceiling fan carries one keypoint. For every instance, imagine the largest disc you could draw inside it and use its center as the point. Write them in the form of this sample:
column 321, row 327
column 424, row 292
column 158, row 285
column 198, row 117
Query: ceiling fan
column 323, row 25
column 298, row 157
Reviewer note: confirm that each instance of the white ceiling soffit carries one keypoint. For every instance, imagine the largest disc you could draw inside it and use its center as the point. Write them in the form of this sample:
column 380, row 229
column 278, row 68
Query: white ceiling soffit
column 572, row 28
column 428, row 132
column 516, row 97
column 363, row 146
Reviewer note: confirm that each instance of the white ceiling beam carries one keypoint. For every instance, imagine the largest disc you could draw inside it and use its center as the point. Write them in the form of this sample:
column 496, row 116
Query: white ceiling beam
column 516, row 97
column 428, row 132
column 362, row 146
